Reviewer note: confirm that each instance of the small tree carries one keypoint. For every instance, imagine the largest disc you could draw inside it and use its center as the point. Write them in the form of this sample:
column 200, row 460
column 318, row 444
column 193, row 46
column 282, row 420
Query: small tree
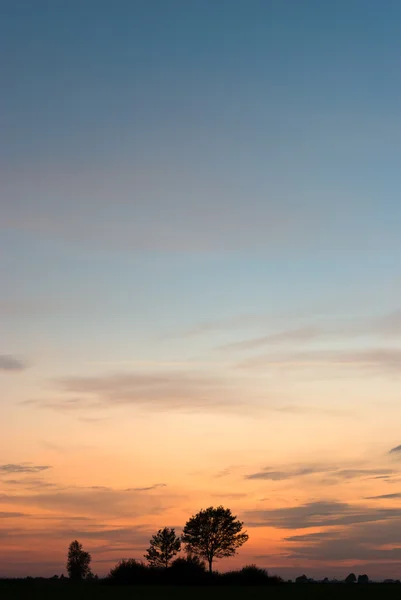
column 78, row 561
column 163, row 547
column 213, row 533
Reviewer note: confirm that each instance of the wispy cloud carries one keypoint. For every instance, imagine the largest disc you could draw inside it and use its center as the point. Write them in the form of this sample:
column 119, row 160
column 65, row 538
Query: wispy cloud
column 147, row 489
column 12, row 363
column 275, row 475
column 387, row 325
column 96, row 500
column 136, row 535
column 299, row 334
column 23, row 468
column 385, row 496
column 334, row 472
column 156, row 390
column 66, row 405
column 227, row 471
column 375, row 360
column 318, row 514
column 396, row 450
column 293, row 409
column 30, row 483
column 373, row 540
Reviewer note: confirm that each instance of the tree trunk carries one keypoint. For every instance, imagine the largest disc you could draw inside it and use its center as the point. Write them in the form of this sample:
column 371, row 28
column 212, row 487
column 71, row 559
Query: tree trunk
column 210, row 565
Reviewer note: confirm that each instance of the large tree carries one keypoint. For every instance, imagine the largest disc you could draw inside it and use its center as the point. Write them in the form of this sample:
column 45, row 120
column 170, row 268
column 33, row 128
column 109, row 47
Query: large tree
column 213, row 533
column 78, row 561
column 163, row 547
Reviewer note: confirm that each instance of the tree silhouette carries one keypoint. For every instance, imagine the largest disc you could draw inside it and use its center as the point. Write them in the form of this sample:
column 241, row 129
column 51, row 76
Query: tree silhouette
column 163, row 547
column 78, row 561
column 213, row 533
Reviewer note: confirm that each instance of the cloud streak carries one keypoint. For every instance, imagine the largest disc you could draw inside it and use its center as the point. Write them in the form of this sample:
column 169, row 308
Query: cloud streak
column 23, row 468
column 387, row 325
column 12, row 363
column 376, row 540
column 95, row 500
column 319, row 514
column 333, row 472
column 147, row 489
column 385, row 496
column 156, row 390
column 374, row 360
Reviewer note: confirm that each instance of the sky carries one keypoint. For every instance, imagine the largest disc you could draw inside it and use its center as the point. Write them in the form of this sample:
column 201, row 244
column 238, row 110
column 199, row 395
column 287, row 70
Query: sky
column 200, row 267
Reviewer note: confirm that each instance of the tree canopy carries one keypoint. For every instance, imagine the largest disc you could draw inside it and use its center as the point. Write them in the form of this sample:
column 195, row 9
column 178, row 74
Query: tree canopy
column 164, row 545
column 213, row 533
column 78, row 561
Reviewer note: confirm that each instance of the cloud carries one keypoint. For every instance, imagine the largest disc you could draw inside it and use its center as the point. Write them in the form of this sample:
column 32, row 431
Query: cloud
column 376, row 540
column 11, row 515
column 156, row 390
column 318, row 514
column 165, row 390
column 396, row 450
column 300, row 334
column 387, row 325
column 95, row 500
column 147, row 489
column 274, row 475
column 353, row 473
column 334, row 472
column 384, row 496
column 30, row 483
column 310, row 537
column 66, row 405
column 310, row 410
column 224, row 473
column 137, row 535
column 11, row 363
column 374, row 360
column 23, row 468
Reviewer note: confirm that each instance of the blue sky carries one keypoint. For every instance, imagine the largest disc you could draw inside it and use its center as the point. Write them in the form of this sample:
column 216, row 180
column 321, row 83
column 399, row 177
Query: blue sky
column 201, row 189
column 256, row 140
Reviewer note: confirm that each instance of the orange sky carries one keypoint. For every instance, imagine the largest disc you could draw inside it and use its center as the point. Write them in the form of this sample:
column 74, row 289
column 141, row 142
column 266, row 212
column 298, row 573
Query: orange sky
column 112, row 475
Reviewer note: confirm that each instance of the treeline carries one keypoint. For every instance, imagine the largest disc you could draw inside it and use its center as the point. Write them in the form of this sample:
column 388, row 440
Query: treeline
column 188, row 570
column 211, row 534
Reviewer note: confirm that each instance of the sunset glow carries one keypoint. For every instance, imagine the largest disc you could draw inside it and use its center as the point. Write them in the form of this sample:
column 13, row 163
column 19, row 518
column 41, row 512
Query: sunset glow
column 200, row 260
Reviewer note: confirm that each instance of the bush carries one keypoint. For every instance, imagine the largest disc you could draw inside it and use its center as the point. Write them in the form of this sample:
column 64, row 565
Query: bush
column 187, row 570
column 249, row 575
column 129, row 571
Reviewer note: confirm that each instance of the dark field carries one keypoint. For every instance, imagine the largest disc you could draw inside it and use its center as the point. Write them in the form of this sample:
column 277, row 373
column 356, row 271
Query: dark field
column 54, row 591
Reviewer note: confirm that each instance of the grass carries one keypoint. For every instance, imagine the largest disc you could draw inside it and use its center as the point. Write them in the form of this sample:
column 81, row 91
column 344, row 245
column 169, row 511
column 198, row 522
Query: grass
column 23, row 590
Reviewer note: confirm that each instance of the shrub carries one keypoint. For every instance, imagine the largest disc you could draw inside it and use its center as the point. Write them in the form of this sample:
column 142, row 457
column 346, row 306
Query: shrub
column 129, row 571
column 187, row 570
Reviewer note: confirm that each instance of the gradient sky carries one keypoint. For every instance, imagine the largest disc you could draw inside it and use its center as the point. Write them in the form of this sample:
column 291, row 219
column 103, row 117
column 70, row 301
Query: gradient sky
column 200, row 265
